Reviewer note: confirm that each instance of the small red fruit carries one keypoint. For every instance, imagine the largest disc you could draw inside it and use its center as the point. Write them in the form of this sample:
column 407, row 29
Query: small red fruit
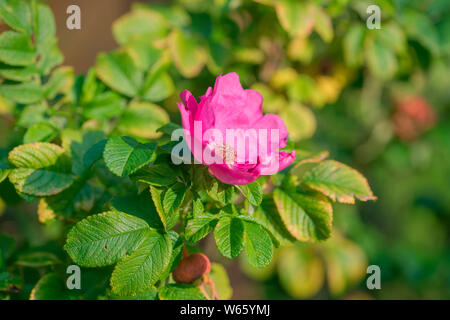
column 191, row 268
column 412, row 117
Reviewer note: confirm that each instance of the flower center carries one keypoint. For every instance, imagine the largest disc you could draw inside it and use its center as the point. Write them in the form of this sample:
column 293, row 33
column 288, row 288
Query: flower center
column 227, row 153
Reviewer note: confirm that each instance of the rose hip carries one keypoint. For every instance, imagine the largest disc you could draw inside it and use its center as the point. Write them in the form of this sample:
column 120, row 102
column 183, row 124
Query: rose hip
column 191, row 268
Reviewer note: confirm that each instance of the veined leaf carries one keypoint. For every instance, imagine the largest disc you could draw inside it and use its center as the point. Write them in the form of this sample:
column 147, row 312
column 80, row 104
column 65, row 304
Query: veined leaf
column 105, row 238
column 257, row 243
column 41, row 169
column 229, row 236
column 143, row 267
column 198, row 227
column 306, row 217
column 35, row 155
column 167, row 202
column 157, row 175
column 180, row 292
column 338, row 181
column 124, row 155
column 39, row 182
column 253, row 193
column 269, row 217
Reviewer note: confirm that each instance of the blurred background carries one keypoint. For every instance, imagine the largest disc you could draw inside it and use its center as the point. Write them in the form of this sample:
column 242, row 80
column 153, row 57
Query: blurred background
column 378, row 100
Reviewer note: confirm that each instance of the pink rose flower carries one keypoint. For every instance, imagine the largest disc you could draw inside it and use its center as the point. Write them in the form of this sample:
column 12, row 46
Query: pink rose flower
column 228, row 132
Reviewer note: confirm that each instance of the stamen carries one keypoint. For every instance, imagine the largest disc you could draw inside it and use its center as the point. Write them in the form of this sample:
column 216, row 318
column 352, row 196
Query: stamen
column 227, row 153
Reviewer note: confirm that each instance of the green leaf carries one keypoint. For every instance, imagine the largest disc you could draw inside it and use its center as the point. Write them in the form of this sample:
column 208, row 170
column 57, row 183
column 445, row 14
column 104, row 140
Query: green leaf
column 94, row 153
column 61, row 81
column 159, row 89
column 306, row 217
column 140, row 205
column 187, row 54
column 9, row 283
column 144, row 53
column 37, row 260
column 39, row 182
column 173, row 198
column 42, row 169
column 299, row 120
column 141, row 269
column 4, row 171
column 167, row 201
column 50, row 57
column 142, row 119
column 35, row 155
column 160, row 174
column 177, row 253
column 105, row 238
column 180, row 292
column 257, row 244
column 301, row 271
column 419, row 26
column 217, row 190
column 253, row 193
column 268, row 215
column 16, row 14
column 338, row 181
column 32, row 114
column 323, row 24
column 104, row 106
column 49, row 287
column 44, row 27
column 295, row 17
column 18, row 74
column 7, row 245
column 353, row 45
column 380, row 58
column 229, row 236
column 40, row 132
column 148, row 294
column 118, row 71
column 198, row 227
column 197, row 207
column 25, row 93
column 124, row 155
column 139, row 23
column 221, row 281
column 16, row 49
